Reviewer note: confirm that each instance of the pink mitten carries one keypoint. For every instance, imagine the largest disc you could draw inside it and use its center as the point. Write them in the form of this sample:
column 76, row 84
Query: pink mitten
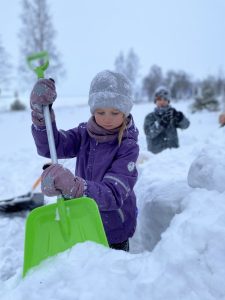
column 43, row 93
column 58, row 180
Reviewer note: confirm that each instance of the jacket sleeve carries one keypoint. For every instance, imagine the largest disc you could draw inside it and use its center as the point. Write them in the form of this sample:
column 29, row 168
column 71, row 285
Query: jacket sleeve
column 119, row 180
column 67, row 142
column 184, row 123
column 152, row 128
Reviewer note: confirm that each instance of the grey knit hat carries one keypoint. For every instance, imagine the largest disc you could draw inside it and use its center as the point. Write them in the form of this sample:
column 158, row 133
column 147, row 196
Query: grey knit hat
column 110, row 89
column 162, row 92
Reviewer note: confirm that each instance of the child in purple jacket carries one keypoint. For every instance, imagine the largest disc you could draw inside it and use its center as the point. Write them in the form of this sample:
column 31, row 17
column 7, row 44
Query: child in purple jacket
column 106, row 150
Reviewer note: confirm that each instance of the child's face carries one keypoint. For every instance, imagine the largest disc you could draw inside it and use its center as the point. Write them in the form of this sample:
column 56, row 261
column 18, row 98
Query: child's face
column 108, row 118
column 161, row 102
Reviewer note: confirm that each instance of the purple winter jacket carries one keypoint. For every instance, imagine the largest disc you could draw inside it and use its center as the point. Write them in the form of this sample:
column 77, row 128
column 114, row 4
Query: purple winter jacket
column 109, row 170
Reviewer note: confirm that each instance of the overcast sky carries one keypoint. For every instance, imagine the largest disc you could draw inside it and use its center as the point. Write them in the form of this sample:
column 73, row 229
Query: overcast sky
column 174, row 34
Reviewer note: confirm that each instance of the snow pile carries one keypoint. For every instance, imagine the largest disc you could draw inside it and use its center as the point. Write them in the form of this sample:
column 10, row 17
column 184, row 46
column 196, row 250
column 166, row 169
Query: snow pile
column 178, row 249
column 208, row 170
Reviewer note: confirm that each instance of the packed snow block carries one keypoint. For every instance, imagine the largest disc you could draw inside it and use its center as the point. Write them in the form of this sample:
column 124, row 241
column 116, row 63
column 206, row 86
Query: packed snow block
column 208, row 170
column 164, row 201
column 157, row 216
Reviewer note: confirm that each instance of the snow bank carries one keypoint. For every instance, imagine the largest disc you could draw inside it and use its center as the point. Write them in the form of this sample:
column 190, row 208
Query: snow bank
column 178, row 249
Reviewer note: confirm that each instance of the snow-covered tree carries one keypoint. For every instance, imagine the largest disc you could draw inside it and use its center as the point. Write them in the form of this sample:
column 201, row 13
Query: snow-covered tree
column 38, row 34
column 5, row 68
column 129, row 65
column 180, row 84
column 120, row 63
column 132, row 66
column 152, row 81
column 206, row 98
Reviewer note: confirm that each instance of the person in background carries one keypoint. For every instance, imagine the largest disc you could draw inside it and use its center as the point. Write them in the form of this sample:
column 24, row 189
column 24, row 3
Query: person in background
column 160, row 126
column 222, row 119
column 106, row 150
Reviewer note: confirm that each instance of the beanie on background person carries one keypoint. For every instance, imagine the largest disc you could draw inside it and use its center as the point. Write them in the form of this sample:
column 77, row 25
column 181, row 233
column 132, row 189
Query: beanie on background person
column 162, row 92
column 110, row 90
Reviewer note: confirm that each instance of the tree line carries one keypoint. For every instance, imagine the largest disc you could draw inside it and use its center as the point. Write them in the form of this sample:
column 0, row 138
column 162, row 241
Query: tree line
column 208, row 93
column 37, row 33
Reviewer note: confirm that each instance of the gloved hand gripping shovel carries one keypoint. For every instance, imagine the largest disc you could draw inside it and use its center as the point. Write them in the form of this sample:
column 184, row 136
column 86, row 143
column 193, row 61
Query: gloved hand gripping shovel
column 56, row 227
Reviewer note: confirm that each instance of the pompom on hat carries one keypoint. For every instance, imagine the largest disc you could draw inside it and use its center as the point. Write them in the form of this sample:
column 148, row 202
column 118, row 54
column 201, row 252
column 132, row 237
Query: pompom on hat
column 110, row 90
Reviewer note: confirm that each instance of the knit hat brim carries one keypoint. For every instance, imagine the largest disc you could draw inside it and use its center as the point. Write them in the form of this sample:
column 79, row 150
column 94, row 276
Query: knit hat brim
column 108, row 99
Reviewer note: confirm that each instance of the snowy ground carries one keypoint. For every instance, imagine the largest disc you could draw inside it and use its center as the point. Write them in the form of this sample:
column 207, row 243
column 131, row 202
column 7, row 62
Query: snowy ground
column 178, row 249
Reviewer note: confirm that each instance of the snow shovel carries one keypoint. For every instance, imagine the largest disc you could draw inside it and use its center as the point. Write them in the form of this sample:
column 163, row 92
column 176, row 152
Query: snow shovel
column 54, row 228
column 27, row 201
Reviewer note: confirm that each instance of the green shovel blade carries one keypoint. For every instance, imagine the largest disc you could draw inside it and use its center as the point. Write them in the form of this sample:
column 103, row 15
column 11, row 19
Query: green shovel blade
column 47, row 235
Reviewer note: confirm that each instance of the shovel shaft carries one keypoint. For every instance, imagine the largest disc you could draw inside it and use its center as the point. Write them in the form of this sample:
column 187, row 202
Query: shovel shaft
column 50, row 135
column 51, row 142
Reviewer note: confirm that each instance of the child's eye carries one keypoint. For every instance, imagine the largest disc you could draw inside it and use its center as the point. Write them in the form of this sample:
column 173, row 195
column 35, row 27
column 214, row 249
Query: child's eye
column 101, row 113
column 115, row 113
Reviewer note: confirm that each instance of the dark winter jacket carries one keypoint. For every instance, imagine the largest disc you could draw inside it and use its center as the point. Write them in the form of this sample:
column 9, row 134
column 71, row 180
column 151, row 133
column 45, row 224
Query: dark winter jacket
column 160, row 137
column 109, row 170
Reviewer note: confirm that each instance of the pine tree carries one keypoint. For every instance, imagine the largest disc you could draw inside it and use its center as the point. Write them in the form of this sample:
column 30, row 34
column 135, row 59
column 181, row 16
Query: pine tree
column 38, row 34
